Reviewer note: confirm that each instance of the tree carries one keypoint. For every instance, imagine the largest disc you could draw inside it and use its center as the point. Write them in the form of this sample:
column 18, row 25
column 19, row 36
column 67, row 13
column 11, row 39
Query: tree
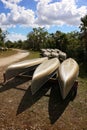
column 9, row 44
column 50, row 41
column 60, row 40
column 37, row 38
column 83, row 29
column 74, row 48
column 2, row 37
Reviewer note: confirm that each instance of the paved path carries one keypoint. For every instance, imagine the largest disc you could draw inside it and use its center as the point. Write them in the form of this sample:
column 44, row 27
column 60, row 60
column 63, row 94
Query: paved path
column 8, row 60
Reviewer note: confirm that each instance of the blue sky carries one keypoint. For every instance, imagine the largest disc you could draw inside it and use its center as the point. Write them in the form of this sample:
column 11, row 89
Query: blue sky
column 18, row 17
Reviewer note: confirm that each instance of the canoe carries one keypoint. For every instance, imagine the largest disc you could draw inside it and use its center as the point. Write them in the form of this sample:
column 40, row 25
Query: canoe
column 23, row 66
column 56, row 50
column 43, row 73
column 46, row 54
column 62, row 55
column 55, row 54
column 67, row 75
column 43, row 50
column 48, row 50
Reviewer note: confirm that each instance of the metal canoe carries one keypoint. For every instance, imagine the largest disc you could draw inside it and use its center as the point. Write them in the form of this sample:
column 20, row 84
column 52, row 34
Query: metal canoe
column 43, row 73
column 67, row 75
column 20, row 67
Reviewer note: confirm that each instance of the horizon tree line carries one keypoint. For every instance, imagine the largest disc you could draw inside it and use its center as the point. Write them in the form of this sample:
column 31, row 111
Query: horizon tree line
column 73, row 43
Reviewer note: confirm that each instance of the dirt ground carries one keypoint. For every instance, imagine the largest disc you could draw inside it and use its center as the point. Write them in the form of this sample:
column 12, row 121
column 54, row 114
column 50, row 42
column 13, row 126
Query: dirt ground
column 19, row 110
column 13, row 58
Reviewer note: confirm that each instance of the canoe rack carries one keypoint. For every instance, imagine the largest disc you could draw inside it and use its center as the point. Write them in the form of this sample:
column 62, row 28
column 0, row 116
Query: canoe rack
column 53, row 80
column 73, row 91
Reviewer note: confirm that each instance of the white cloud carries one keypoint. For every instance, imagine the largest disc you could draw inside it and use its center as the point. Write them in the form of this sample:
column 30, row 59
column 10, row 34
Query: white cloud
column 58, row 13
column 15, row 37
column 43, row 1
column 17, row 15
column 48, row 13
column 11, row 1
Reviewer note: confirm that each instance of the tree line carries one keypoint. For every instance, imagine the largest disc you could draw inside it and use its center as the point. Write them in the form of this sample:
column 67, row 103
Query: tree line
column 73, row 43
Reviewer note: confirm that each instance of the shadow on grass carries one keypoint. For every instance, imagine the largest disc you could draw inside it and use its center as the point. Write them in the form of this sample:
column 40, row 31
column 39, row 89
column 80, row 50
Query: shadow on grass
column 56, row 105
column 13, row 84
column 28, row 99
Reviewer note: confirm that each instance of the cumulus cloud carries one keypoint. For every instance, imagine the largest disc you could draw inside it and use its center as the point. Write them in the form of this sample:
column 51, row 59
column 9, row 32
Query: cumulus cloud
column 15, row 37
column 48, row 13
column 59, row 13
column 17, row 15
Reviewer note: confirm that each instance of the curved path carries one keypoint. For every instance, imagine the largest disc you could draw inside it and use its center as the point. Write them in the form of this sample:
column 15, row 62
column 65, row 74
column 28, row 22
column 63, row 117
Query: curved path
column 8, row 60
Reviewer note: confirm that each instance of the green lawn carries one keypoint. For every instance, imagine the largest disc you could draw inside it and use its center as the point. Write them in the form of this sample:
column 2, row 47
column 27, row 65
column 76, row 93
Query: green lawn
column 32, row 55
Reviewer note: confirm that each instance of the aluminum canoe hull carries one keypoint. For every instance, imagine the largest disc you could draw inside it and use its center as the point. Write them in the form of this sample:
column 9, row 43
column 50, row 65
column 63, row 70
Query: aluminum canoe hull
column 67, row 75
column 23, row 66
column 43, row 73
column 62, row 55
column 55, row 54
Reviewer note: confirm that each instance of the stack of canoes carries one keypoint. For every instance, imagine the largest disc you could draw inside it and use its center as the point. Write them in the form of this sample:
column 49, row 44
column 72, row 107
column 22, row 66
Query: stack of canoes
column 44, row 69
column 52, row 53
column 17, row 68
column 67, row 71
column 62, row 55
column 47, row 54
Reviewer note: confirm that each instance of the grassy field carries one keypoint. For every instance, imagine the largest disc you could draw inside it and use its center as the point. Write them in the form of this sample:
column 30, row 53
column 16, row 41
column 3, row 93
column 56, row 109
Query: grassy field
column 32, row 55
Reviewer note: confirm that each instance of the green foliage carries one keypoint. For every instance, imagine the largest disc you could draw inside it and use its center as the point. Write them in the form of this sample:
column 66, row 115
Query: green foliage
column 37, row 38
column 2, row 37
column 9, row 44
column 83, row 38
column 60, row 40
column 83, row 70
column 73, row 45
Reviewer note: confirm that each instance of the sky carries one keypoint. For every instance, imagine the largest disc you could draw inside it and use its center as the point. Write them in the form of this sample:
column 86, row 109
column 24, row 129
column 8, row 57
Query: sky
column 19, row 17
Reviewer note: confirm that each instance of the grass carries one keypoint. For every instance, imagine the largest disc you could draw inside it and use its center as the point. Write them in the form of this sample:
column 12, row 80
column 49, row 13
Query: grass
column 81, row 103
column 9, row 52
column 32, row 55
